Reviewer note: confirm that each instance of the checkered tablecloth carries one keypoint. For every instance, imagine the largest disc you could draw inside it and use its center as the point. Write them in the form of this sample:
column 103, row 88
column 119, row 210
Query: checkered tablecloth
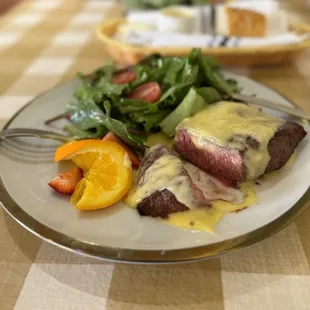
column 45, row 42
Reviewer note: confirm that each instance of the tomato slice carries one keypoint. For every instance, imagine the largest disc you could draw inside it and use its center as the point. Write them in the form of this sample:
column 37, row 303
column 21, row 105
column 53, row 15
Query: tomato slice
column 149, row 92
column 135, row 161
column 124, row 77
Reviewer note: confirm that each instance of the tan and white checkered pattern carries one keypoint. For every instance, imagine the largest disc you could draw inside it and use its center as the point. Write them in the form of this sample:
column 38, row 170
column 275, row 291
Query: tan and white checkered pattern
column 45, row 42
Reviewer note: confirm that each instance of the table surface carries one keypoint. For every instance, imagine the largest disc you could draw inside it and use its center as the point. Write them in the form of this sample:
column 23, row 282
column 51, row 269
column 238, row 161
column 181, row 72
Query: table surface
column 43, row 43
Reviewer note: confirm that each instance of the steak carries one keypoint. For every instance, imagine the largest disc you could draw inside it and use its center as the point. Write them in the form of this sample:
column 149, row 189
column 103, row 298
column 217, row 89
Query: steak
column 283, row 144
column 228, row 163
column 160, row 204
column 163, row 202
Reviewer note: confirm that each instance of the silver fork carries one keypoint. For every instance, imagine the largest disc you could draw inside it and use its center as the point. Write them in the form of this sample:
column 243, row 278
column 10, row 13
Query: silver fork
column 37, row 133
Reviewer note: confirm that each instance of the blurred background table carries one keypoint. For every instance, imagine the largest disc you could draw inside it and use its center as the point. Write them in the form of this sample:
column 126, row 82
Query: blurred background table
column 44, row 43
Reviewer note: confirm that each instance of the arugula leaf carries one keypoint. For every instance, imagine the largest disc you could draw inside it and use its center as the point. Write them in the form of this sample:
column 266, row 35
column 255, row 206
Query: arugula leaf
column 209, row 94
column 172, row 67
column 189, row 72
column 86, row 93
column 90, row 95
column 185, row 79
column 193, row 55
column 212, row 62
column 234, row 84
column 106, row 72
column 161, row 70
column 109, row 89
column 84, row 80
column 149, row 121
column 85, row 114
column 190, row 105
column 173, row 95
column 119, row 128
column 212, row 77
column 126, row 106
column 144, row 74
column 84, row 134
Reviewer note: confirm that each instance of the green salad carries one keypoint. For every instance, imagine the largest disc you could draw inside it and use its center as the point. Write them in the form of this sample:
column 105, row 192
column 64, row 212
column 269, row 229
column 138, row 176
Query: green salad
column 151, row 96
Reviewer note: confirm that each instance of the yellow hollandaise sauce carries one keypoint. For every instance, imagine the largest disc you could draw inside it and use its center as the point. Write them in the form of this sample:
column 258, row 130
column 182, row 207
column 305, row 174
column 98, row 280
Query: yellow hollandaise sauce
column 158, row 138
column 202, row 218
column 165, row 172
column 274, row 174
column 205, row 219
column 235, row 125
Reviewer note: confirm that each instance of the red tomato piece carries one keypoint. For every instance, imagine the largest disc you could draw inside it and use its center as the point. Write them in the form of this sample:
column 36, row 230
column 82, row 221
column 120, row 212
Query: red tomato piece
column 135, row 161
column 124, row 77
column 149, row 92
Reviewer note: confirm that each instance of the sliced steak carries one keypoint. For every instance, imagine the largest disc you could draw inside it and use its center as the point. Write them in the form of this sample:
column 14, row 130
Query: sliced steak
column 212, row 187
column 229, row 164
column 283, row 144
column 150, row 157
column 161, row 202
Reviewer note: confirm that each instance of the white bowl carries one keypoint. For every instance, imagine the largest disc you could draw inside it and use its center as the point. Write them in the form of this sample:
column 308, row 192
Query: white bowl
column 176, row 19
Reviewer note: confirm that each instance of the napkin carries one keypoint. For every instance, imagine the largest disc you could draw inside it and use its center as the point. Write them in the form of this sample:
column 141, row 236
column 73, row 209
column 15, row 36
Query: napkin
column 161, row 39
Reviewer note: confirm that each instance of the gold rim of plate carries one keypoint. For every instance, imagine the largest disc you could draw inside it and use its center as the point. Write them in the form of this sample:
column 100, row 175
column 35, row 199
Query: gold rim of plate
column 277, row 54
column 146, row 256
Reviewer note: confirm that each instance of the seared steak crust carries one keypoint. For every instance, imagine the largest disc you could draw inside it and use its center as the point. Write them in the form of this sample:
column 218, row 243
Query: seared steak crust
column 283, row 144
column 160, row 204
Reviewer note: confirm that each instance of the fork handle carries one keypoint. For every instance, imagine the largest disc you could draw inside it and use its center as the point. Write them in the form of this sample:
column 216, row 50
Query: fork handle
column 29, row 132
column 271, row 105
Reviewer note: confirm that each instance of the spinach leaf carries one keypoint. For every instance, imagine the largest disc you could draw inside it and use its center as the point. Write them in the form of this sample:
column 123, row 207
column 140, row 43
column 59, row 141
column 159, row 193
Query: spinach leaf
column 190, row 105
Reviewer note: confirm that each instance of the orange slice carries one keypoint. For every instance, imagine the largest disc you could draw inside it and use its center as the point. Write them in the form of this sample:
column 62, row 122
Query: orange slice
column 107, row 172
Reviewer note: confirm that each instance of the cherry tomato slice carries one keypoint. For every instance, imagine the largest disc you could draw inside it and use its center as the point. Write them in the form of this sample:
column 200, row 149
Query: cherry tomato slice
column 149, row 92
column 124, row 77
column 135, row 161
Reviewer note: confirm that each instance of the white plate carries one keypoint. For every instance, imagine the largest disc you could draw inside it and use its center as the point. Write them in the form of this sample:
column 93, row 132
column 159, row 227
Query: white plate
column 119, row 233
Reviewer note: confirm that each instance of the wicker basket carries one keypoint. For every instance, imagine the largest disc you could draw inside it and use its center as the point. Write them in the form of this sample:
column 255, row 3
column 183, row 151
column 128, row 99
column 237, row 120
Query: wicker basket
column 129, row 54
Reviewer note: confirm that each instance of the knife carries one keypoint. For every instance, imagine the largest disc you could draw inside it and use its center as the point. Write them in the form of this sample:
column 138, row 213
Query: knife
column 271, row 105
